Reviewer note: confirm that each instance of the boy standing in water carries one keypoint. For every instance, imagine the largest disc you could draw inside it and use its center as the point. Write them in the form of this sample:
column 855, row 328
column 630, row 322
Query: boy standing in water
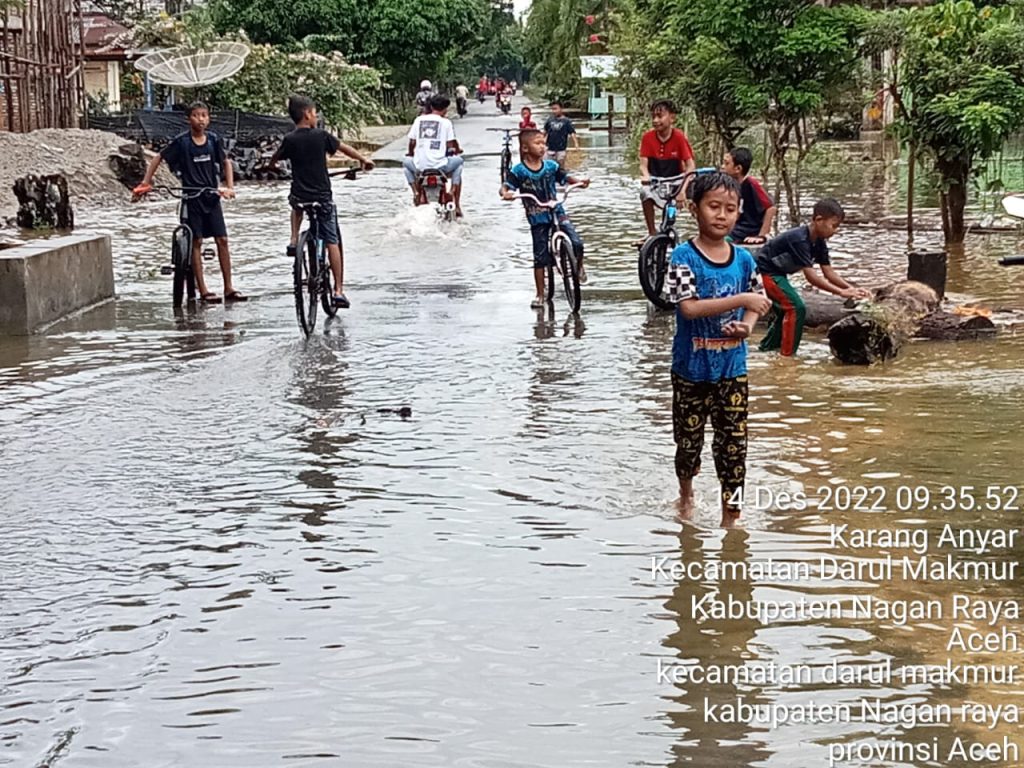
column 557, row 130
column 714, row 285
column 197, row 158
column 757, row 209
column 798, row 250
column 539, row 177
column 307, row 147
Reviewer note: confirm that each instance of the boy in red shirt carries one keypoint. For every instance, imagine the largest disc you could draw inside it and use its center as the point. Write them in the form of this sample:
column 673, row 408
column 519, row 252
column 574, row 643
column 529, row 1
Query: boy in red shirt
column 664, row 151
column 526, row 120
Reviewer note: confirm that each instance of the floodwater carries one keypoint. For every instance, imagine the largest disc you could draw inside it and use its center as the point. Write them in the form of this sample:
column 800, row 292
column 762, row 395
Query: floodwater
column 222, row 545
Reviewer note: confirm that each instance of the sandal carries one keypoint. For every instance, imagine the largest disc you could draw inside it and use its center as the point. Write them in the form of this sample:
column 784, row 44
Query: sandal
column 210, row 298
column 235, row 296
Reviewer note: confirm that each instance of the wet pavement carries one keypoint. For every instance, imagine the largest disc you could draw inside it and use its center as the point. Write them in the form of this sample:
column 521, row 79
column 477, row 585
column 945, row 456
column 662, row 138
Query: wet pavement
column 226, row 546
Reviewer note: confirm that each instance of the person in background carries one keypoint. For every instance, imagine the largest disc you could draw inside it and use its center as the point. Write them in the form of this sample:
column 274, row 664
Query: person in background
column 197, row 157
column 757, row 209
column 526, row 120
column 557, row 130
column 799, row 250
column 423, row 97
column 461, row 98
column 664, row 152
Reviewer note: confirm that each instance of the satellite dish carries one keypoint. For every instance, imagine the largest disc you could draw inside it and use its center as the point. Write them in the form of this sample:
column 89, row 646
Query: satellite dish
column 190, row 68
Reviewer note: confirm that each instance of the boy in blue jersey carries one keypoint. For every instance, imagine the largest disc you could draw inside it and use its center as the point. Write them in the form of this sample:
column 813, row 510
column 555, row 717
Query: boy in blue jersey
column 719, row 298
column 540, row 177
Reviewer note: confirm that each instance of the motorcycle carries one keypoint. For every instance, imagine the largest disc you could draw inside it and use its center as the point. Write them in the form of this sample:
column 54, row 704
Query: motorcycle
column 460, row 106
column 433, row 186
column 505, row 102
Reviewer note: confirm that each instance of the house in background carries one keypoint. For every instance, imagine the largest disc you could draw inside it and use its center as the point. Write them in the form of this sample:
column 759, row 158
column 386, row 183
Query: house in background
column 594, row 71
column 107, row 49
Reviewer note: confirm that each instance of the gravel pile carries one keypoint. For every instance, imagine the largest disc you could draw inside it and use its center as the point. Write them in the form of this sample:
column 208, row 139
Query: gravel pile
column 81, row 156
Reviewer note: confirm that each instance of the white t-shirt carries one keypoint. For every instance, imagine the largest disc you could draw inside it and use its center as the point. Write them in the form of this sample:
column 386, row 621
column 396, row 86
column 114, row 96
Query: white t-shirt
column 462, row 92
column 432, row 134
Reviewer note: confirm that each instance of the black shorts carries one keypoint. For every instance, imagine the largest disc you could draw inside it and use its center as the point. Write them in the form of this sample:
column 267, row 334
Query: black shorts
column 205, row 218
column 326, row 218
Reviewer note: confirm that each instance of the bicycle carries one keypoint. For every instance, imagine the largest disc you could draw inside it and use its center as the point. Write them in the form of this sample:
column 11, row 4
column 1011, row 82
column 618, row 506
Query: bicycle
column 561, row 250
column 655, row 251
column 312, row 276
column 181, row 267
column 506, row 151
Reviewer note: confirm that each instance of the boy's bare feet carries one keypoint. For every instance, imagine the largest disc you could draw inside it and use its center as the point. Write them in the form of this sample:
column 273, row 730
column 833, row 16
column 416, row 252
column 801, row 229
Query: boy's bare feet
column 730, row 520
column 685, row 501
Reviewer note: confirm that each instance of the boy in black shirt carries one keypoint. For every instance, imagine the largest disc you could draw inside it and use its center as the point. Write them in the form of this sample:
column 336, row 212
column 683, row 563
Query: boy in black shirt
column 307, row 148
column 197, row 158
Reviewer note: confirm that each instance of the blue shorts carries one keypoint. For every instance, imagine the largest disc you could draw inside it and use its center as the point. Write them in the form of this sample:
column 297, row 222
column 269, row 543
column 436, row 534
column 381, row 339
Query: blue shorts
column 542, row 256
column 326, row 219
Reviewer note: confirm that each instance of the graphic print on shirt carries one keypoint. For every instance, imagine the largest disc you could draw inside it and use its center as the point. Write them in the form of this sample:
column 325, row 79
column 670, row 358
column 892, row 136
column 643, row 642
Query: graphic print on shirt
column 430, row 130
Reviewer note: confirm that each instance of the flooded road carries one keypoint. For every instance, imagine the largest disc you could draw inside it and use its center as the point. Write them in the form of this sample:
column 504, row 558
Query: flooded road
column 224, row 546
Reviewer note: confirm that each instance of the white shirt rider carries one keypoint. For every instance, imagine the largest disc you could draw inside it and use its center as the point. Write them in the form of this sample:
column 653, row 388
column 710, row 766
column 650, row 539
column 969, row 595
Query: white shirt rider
column 431, row 133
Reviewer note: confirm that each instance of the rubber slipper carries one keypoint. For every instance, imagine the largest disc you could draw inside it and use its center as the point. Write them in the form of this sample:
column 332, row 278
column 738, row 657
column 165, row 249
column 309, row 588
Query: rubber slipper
column 210, row 298
column 235, row 296
column 341, row 301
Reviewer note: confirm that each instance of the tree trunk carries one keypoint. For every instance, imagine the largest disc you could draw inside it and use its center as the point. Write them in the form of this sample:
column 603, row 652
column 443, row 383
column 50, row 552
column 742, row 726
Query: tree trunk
column 44, row 202
column 954, row 174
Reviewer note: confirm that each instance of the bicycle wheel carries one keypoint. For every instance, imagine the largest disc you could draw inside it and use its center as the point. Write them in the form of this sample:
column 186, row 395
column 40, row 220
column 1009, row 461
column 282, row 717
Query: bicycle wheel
column 304, row 274
column 652, row 265
column 506, row 163
column 566, row 256
column 326, row 283
column 181, row 265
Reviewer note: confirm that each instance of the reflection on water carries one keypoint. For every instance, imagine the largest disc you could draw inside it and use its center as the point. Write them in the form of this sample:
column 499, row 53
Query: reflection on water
column 226, row 546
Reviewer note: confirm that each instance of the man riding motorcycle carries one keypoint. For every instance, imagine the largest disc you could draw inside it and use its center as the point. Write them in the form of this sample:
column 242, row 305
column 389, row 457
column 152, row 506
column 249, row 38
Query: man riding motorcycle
column 423, row 97
column 461, row 99
column 432, row 144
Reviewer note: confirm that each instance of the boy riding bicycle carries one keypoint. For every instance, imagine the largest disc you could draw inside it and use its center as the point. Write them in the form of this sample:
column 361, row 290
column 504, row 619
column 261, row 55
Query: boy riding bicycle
column 664, row 152
column 537, row 176
column 307, row 148
column 197, row 158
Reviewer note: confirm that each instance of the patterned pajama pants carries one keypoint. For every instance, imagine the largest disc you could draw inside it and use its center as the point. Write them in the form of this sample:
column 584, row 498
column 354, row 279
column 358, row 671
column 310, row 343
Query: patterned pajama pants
column 725, row 402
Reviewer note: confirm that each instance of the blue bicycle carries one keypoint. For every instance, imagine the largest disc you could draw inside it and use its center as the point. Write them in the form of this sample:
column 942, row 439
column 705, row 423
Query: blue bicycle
column 656, row 250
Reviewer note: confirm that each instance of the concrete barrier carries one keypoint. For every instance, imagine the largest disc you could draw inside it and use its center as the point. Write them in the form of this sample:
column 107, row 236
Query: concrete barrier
column 44, row 280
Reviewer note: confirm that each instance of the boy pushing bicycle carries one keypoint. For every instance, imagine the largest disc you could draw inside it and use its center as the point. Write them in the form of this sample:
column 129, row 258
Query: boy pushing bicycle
column 537, row 176
column 197, row 158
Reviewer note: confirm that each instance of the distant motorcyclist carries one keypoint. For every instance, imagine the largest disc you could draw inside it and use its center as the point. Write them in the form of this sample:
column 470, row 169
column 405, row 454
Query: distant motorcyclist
column 461, row 99
column 423, row 97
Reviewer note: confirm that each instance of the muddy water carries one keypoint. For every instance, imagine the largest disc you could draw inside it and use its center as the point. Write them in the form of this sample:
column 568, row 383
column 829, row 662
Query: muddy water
column 223, row 546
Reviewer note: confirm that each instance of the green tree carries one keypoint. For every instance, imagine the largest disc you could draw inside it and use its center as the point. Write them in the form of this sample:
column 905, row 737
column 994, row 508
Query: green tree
column 558, row 33
column 959, row 90
column 408, row 39
column 784, row 63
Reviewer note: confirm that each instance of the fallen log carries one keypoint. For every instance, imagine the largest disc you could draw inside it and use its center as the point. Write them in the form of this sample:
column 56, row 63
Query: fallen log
column 824, row 309
column 44, row 202
column 896, row 313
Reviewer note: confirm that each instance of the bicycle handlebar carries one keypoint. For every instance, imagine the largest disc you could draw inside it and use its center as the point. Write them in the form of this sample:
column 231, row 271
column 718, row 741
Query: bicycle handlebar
column 178, row 192
column 548, row 203
column 654, row 180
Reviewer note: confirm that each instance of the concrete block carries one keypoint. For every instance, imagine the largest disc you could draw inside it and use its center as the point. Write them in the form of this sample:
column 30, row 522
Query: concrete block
column 45, row 280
